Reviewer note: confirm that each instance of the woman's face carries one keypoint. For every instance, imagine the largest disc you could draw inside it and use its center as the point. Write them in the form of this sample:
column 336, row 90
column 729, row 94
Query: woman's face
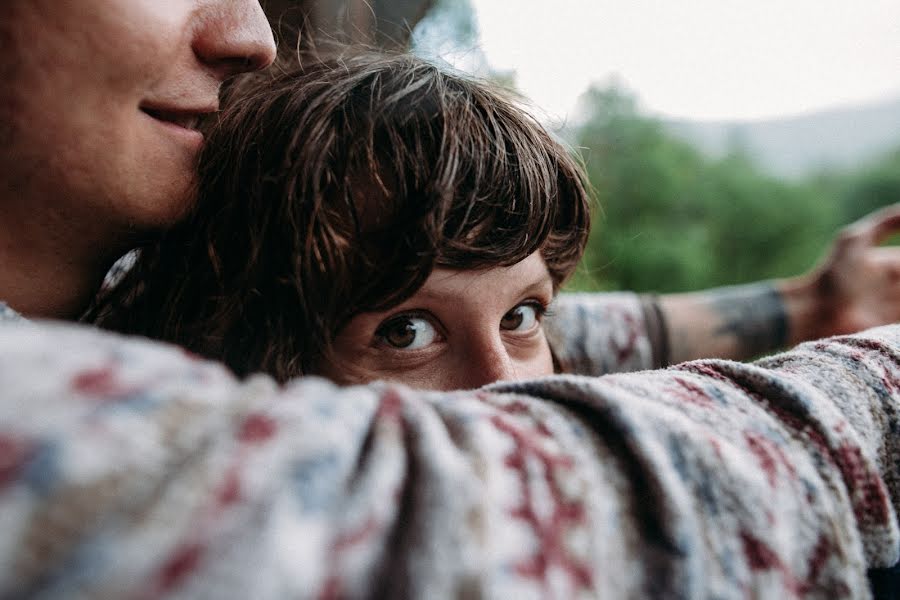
column 462, row 329
column 100, row 99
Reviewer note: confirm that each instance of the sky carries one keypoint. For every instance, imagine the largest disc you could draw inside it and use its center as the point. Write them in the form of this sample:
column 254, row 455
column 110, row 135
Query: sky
column 696, row 59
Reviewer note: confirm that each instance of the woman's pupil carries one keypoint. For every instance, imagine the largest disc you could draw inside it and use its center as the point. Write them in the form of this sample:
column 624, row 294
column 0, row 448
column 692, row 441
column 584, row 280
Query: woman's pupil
column 513, row 319
column 401, row 334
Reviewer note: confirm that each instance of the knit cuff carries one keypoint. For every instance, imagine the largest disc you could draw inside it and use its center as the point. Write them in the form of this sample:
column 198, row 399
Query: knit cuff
column 657, row 329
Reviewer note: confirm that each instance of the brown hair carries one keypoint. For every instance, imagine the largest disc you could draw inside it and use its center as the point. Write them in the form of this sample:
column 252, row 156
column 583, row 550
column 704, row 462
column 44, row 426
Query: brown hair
column 336, row 188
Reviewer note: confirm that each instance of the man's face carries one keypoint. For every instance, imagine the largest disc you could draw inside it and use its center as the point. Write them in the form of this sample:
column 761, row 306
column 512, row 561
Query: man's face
column 100, row 99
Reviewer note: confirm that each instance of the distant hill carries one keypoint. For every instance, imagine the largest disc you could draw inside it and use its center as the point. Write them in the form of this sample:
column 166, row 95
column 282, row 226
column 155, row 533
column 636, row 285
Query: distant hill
column 793, row 147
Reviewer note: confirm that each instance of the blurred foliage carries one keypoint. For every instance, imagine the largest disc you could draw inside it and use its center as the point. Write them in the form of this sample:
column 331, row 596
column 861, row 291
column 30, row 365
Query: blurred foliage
column 872, row 186
column 672, row 219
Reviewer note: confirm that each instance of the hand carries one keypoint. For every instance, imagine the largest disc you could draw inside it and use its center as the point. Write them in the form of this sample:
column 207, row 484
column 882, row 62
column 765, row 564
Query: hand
column 856, row 286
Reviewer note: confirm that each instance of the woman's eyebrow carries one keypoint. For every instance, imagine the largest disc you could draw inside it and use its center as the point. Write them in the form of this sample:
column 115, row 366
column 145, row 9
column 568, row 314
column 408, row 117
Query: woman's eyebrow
column 539, row 285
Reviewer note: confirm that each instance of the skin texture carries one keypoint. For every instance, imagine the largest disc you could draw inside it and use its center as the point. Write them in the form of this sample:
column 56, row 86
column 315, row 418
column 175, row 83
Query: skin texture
column 97, row 111
column 856, row 286
column 471, row 328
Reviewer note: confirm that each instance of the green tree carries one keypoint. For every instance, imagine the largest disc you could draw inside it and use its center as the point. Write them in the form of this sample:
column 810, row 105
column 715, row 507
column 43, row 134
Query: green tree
column 872, row 187
column 671, row 219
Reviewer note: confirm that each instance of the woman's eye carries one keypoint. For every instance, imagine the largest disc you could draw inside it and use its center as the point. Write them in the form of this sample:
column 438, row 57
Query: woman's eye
column 524, row 317
column 407, row 333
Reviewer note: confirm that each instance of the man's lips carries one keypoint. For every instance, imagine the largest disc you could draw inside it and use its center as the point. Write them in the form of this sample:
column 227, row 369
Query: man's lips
column 184, row 118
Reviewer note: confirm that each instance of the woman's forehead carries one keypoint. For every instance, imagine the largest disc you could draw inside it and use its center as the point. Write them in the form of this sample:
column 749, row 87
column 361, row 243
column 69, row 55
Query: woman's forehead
column 529, row 273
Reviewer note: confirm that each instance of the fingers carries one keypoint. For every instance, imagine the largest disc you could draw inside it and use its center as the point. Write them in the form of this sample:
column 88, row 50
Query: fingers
column 877, row 226
column 886, row 261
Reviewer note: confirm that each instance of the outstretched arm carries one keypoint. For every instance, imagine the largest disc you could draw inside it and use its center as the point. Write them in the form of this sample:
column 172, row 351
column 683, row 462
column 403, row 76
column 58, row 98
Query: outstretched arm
column 856, row 286
column 738, row 322
column 129, row 469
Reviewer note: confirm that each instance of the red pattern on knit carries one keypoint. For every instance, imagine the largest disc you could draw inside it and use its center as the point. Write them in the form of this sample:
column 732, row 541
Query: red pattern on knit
column 769, row 455
column 253, row 430
column 886, row 375
column 102, row 382
column 761, row 557
column 390, row 410
column 689, row 392
column 180, row 565
column 230, row 492
column 332, row 587
column 867, row 493
column 517, row 407
column 550, row 530
column 15, row 451
column 635, row 332
column 257, row 428
column 820, row 555
column 391, row 405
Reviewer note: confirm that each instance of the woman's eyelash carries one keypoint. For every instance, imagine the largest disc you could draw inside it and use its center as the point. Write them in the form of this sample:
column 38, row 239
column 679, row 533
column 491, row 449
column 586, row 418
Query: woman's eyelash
column 384, row 328
column 393, row 319
column 540, row 307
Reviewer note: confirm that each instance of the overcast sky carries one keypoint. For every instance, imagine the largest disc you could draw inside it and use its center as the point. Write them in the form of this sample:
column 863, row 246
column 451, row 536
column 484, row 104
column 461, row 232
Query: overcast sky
column 701, row 59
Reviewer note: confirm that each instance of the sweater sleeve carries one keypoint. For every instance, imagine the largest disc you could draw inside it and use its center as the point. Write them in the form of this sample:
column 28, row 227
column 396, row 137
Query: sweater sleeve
column 130, row 469
column 610, row 332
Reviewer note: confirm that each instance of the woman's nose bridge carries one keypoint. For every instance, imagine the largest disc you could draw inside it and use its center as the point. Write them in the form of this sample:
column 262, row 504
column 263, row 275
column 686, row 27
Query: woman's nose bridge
column 489, row 360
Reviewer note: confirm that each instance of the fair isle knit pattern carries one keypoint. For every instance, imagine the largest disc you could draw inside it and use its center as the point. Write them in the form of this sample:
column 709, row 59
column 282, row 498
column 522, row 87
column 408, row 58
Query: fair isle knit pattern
column 596, row 334
column 130, row 469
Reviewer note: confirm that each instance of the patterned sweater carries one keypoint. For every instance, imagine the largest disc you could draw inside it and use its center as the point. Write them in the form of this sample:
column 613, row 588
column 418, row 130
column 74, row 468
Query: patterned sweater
column 130, row 469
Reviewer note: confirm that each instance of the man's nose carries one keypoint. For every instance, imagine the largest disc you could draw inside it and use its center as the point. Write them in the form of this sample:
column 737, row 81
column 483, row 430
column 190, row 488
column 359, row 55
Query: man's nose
column 233, row 36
